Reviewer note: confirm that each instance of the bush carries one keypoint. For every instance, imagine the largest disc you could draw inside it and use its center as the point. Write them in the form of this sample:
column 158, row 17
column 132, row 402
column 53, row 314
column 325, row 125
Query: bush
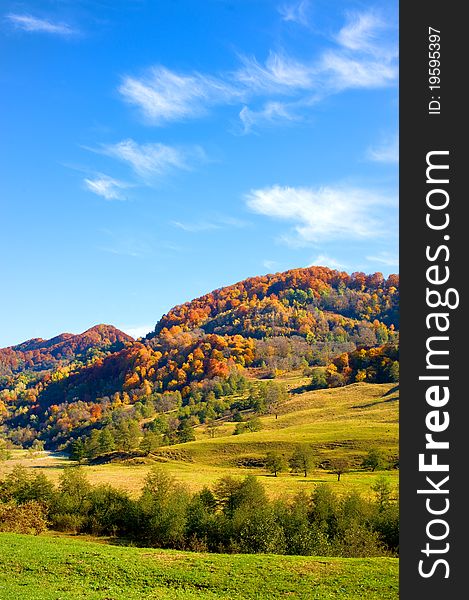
column 234, row 516
column 359, row 541
column 254, row 424
column 29, row 517
column 68, row 522
column 162, row 509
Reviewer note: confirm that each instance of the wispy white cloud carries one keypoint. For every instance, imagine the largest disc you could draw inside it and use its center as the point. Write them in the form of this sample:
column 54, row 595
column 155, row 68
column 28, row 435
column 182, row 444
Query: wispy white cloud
column 361, row 32
column 386, row 152
column 36, row 25
column 107, row 187
column 270, row 264
column 196, row 227
column 125, row 245
column 217, row 222
column 280, row 73
column 163, row 95
column 295, row 12
column 322, row 260
column 324, row 213
column 361, row 55
column 340, row 72
column 385, row 258
column 137, row 331
column 271, row 113
column 147, row 159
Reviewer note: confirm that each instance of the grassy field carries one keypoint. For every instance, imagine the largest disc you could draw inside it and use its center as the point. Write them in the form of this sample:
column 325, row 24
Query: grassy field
column 341, row 422
column 61, row 568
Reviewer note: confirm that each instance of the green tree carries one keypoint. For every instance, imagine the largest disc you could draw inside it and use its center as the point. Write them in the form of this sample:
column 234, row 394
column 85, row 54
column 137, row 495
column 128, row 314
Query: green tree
column 318, row 379
column 301, row 460
column 185, row 433
column 164, row 503
column 106, row 441
column 150, row 442
column 275, row 463
column 232, row 494
column 239, row 428
column 253, row 424
column 5, row 453
column 42, row 489
column 393, row 372
column 374, row 459
column 77, row 450
column 38, row 445
column 127, row 434
column 74, row 489
column 383, row 493
column 339, row 466
column 212, row 425
column 276, row 395
column 92, row 449
column 16, row 485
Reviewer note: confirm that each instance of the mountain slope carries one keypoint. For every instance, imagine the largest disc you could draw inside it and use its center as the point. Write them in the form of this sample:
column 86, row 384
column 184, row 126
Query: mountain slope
column 299, row 319
column 40, row 355
column 285, row 303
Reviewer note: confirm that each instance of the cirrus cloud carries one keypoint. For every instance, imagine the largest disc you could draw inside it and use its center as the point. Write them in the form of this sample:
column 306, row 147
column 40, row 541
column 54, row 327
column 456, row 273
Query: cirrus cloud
column 386, row 152
column 361, row 55
column 324, row 213
column 107, row 187
column 163, row 95
column 295, row 12
column 146, row 159
column 33, row 24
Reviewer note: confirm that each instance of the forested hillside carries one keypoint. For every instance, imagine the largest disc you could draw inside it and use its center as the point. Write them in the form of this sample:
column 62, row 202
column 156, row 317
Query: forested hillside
column 42, row 355
column 200, row 361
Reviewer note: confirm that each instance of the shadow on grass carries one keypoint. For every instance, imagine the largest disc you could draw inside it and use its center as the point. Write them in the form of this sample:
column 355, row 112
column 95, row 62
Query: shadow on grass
column 46, row 467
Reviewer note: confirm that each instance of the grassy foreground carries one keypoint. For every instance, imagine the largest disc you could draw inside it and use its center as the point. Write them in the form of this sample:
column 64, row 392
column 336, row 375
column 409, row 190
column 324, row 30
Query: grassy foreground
column 59, row 568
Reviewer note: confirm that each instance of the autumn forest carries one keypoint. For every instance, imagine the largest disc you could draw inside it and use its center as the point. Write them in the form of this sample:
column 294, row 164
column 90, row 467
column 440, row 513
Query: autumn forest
column 101, row 390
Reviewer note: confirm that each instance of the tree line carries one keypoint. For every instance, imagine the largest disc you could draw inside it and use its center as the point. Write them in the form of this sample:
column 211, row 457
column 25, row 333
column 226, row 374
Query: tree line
column 233, row 515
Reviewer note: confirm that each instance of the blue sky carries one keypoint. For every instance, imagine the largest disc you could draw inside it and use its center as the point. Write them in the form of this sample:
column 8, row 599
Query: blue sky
column 154, row 151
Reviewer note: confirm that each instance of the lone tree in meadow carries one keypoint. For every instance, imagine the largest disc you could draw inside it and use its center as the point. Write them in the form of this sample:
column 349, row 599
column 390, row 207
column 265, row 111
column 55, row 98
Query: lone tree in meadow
column 374, row 460
column 301, row 460
column 275, row 462
column 339, row 466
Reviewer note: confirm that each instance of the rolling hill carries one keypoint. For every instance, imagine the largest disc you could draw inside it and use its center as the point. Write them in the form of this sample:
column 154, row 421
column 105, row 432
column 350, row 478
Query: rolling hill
column 341, row 328
column 43, row 355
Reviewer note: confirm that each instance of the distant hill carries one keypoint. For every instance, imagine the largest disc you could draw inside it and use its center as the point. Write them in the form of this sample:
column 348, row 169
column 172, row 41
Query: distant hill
column 40, row 355
column 299, row 319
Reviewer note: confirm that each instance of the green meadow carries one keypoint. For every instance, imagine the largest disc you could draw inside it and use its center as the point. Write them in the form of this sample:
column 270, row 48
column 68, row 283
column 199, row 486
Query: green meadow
column 64, row 568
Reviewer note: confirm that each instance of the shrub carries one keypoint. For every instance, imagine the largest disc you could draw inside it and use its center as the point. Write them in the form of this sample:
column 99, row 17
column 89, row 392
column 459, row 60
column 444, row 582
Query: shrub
column 29, row 517
column 163, row 510
column 68, row 522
